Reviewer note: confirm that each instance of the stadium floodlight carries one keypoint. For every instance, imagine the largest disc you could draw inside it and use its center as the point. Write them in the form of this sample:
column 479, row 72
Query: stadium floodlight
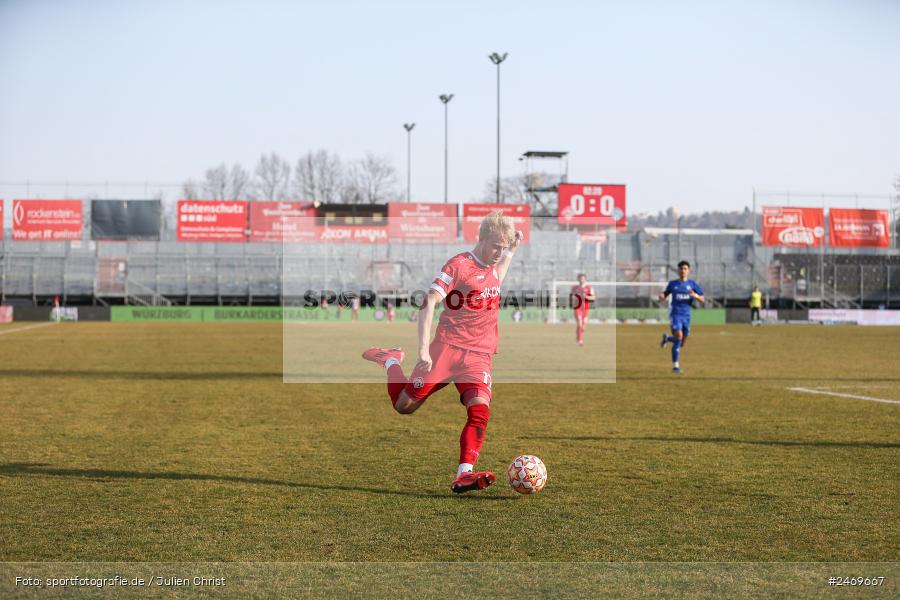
column 498, row 58
column 445, row 98
column 409, row 127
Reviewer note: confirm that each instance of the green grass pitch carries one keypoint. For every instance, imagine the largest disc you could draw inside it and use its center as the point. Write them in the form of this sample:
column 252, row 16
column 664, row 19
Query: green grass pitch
column 180, row 442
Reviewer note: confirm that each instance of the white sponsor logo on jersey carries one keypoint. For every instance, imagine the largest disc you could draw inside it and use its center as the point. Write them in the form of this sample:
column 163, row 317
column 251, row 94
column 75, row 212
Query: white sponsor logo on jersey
column 490, row 292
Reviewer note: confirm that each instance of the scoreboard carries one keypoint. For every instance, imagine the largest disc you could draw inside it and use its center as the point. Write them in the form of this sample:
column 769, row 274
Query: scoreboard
column 592, row 204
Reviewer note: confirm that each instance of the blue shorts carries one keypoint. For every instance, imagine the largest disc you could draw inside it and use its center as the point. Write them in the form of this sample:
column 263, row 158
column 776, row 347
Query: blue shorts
column 680, row 323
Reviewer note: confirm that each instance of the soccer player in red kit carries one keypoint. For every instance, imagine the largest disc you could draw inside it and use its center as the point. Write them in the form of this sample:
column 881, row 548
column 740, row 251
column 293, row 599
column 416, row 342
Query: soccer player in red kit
column 581, row 296
column 464, row 343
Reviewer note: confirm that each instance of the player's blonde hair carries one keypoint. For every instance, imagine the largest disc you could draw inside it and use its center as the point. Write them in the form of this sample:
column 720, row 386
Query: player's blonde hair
column 497, row 226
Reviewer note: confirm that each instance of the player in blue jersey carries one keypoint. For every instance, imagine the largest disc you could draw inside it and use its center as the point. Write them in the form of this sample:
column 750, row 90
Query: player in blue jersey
column 683, row 291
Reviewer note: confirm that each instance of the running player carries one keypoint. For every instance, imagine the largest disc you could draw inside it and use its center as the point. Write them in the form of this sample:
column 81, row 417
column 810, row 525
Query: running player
column 683, row 291
column 354, row 308
column 581, row 297
column 464, row 342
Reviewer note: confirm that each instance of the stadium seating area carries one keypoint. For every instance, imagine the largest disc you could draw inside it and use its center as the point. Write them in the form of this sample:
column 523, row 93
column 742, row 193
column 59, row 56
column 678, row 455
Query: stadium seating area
column 88, row 272
column 839, row 280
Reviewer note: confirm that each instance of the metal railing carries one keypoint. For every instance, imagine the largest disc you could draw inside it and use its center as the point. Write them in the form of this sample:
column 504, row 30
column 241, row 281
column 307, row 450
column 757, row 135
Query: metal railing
column 141, row 295
column 160, row 273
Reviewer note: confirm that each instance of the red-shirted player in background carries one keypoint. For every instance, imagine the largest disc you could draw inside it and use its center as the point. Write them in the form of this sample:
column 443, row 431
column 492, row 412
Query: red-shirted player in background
column 464, row 343
column 581, row 297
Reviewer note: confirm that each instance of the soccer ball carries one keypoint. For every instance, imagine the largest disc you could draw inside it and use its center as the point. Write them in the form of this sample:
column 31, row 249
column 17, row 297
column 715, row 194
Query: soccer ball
column 527, row 474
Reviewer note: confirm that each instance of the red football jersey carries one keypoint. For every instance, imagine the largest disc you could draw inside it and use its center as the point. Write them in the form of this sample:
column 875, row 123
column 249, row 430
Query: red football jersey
column 471, row 292
column 580, row 294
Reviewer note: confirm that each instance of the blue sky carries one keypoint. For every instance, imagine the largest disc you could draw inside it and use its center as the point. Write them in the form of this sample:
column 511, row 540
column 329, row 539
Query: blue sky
column 691, row 104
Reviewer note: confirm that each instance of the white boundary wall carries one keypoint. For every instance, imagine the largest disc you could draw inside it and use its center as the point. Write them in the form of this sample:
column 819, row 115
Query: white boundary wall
column 857, row 316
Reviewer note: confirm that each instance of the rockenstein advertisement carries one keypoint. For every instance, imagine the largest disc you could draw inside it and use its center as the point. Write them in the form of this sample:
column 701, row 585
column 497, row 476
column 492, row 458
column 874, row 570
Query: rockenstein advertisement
column 47, row 220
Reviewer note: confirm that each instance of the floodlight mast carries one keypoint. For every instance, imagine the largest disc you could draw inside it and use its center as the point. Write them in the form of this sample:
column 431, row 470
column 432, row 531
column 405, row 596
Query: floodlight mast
column 445, row 98
column 409, row 127
column 498, row 58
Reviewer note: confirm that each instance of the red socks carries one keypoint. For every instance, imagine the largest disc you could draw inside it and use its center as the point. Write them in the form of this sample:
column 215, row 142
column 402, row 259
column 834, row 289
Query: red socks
column 396, row 382
column 472, row 436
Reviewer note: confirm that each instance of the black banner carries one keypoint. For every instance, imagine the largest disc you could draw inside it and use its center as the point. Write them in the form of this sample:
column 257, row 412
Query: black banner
column 126, row 219
column 45, row 313
column 368, row 215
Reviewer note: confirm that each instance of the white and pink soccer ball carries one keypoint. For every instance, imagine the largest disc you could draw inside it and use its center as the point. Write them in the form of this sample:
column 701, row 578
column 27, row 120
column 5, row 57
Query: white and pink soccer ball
column 527, row 474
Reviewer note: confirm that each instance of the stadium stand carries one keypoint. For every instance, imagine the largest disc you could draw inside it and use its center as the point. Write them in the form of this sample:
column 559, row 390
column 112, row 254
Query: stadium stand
column 164, row 272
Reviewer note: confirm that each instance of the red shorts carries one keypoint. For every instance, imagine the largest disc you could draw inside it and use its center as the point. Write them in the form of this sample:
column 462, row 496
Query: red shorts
column 582, row 313
column 468, row 369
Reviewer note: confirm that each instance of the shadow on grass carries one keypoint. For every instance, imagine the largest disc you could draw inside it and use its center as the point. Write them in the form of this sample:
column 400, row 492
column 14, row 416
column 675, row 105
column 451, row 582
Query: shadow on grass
column 143, row 375
column 17, row 469
column 715, row 440
column 274, row 376
column 601, row 377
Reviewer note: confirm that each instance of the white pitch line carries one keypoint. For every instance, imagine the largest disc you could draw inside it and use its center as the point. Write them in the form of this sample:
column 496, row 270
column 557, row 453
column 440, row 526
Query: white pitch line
column 26, row 327
column 856, row 396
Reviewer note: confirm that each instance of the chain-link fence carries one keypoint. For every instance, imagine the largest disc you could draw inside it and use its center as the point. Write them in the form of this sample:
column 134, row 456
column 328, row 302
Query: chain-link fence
column 725, row 262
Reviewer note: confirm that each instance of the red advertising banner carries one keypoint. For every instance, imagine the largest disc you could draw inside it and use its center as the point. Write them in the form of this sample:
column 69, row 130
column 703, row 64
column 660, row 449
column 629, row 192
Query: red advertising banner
column 592, row 204
column 279, row 222
column 474, row 214
column 212, row 221
column 414, row 222
column 593, row 237
column 793, row 226
column 47, row 220
column 855, row 227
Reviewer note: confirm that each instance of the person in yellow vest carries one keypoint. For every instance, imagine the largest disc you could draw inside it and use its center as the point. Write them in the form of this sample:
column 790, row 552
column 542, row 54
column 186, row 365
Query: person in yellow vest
column 755, row 305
